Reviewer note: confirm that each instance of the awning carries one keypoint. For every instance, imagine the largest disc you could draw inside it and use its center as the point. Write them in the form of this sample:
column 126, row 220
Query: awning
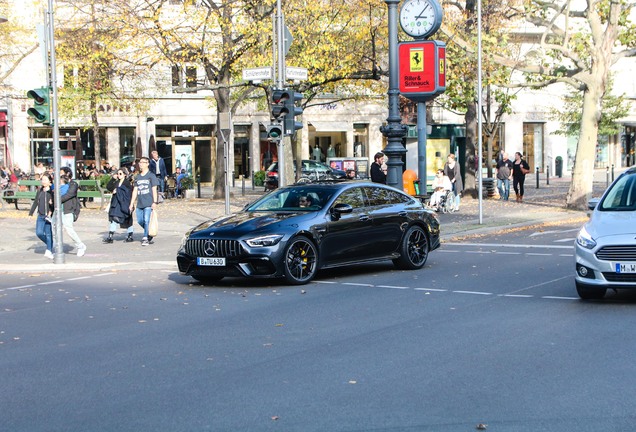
column 334, row 126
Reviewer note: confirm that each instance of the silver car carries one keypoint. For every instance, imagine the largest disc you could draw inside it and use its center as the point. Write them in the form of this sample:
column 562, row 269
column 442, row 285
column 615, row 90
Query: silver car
column 605, row 248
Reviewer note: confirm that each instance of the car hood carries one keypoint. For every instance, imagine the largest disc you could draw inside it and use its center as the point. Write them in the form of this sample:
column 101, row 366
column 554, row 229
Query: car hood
column 246, row 222
column 611, row 223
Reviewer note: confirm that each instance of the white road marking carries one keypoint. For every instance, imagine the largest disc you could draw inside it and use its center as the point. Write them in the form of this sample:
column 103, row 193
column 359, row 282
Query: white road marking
column 326, row 282
column 559, row 298
column 16, row 288
column 393, row 287
column 537, row 254
column 80, row 278
column 430, row 289
column 472, row 292
column 566, row 255
column 554, row 232
column 502, row 245
column 508, row 253
column 357, row 284
column 51, row 282
column 516, row 295
column 565, row 240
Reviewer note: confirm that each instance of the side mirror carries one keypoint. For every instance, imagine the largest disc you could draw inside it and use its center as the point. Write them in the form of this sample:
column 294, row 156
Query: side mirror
column 591, row 204
column 340, row 209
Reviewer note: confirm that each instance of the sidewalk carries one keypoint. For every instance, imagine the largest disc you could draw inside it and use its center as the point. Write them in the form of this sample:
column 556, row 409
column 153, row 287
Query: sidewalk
column 22, row 251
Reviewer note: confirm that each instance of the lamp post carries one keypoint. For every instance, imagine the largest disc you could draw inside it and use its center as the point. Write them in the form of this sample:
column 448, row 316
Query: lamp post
column 394, row 130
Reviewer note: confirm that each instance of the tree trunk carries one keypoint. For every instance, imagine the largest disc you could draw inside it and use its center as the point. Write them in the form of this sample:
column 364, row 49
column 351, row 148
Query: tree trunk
column 472, row 164
column 217, row 164
column 96, row 138
column 583, row 171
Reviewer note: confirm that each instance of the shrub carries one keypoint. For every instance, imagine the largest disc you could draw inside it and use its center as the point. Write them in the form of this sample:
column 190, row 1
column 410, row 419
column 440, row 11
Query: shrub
column 259, row 178
column 187, row 183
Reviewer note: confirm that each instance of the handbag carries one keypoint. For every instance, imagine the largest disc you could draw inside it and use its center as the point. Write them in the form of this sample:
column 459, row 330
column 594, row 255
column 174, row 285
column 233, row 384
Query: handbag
column 524, row 170
column 153, row 226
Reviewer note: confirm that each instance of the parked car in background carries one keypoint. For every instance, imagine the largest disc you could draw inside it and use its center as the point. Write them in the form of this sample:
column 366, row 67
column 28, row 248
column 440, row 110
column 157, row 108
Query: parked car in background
column 605, row 248
column 296, row 230
column 311, row 171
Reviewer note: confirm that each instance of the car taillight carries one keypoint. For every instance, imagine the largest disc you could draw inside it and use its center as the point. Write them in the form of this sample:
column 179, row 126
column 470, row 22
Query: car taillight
column 272, row 174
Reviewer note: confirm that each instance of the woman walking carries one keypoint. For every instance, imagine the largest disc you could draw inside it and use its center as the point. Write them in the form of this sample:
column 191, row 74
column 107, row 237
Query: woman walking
column 119, row 212
column 43, row 203
column 519, row 170
column 452, row 171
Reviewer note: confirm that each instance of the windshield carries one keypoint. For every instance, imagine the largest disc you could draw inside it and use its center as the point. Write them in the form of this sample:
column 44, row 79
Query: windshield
column 298, row 198
column 621, row 196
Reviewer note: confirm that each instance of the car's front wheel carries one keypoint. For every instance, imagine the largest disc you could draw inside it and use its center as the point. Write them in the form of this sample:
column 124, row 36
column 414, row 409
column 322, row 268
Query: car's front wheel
column 413, row 250
column 301, row 261
column 587, row 292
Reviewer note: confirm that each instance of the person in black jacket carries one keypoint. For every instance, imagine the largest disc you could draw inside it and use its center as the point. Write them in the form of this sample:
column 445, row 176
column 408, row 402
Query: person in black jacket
column 70, row 207
column 119, row 212
column 377, row 175
column 43, row 203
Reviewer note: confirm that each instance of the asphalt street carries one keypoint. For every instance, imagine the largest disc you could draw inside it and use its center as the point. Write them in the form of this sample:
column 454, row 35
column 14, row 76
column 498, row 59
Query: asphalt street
column 489, row 332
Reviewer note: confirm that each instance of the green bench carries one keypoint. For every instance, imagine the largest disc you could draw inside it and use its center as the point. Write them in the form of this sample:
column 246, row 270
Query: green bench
column 88, row 189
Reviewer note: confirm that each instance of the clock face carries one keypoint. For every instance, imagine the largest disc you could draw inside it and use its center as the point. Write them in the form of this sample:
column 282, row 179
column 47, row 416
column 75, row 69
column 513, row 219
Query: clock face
column 420, row 18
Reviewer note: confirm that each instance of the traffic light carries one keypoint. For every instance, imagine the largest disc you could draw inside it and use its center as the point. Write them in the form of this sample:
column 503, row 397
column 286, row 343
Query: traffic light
column 291, row 125
column 41, row 112
column 274, row 132
column 279, row 107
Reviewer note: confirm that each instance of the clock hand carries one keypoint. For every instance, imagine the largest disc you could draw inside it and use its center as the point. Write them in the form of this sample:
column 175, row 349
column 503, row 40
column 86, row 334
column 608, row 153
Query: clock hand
column 422, row 13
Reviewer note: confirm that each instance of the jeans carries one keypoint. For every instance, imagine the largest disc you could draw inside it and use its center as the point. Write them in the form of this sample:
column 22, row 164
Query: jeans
column 504, row 188
column 44, row 231
column 143, row 218
column 113, row 227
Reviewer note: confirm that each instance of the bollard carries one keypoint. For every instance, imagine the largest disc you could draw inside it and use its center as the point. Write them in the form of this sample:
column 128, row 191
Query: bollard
column 252, row 179
column 547, row 174
column 612, row 173
column 233, row 180
column 198, row 186
column 537, row 177
column 243, row 186
column 606, row 177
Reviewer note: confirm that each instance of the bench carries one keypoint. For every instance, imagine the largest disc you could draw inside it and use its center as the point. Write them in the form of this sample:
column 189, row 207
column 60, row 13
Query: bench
column 27, row 189
column 89, row 189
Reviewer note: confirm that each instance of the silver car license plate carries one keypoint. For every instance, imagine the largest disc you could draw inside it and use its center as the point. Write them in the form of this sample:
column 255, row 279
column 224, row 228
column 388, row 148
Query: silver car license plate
column 214, row 262
column 625, row 267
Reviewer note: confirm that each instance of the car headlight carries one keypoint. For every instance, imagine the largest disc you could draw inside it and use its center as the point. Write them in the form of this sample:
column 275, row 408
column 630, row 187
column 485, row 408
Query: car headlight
column 184, row 240
column 268, row 240
column 584, row 239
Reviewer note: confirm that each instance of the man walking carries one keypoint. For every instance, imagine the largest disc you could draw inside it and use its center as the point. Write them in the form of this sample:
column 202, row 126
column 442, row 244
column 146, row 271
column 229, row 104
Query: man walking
column 70, row 207
column 145, row 195
column 377, row 174
column 158, row 168
column 504, row 175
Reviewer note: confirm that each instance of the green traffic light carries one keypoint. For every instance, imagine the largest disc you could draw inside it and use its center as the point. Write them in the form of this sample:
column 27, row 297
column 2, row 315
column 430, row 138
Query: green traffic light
column 41, row 112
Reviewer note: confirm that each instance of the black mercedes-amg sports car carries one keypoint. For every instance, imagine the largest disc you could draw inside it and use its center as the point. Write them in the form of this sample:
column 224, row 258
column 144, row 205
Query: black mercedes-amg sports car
column 297, row 230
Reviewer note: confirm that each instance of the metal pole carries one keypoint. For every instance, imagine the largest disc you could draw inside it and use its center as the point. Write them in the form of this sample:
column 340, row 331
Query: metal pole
column 421, row 146
column 58, row 241
column 606, row 176
column 395, row 131
column 612, row 173
column 537, row 177
column 547, row 174
column 479, row 120
column 280, row 55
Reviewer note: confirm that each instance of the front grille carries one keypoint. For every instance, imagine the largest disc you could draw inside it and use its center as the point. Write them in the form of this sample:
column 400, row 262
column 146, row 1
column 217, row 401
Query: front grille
column 617, row 253
column 620, row 277
column 213, row 248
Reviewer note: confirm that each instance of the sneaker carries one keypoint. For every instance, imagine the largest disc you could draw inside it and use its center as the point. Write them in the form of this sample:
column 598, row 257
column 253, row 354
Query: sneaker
column 129, row 239
column 150, row 240
column 144, row 242
column 81, row 250
column 107, row 240
column 48, row 254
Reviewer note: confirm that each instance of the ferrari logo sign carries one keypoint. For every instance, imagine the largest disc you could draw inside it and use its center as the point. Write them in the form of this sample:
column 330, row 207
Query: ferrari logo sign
column 422, row 67
column 417, row 59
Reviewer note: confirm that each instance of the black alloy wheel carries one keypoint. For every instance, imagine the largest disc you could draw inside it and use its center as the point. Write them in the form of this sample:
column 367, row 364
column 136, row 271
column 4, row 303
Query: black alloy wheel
column 301, row 261
column 413, row 250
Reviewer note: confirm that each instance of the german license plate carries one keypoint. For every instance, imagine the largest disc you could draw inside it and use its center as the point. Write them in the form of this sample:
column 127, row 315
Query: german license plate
column 625, row 267
column 214, row 262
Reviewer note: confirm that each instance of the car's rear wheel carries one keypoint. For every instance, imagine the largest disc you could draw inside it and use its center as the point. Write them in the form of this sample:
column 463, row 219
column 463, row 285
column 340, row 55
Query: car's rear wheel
column 207, row 280
column 587, row 292
column 301, row 261
column 413, row 250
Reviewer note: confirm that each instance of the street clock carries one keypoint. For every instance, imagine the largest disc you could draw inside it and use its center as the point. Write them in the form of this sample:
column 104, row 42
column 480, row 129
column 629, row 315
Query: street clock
column 421, row 18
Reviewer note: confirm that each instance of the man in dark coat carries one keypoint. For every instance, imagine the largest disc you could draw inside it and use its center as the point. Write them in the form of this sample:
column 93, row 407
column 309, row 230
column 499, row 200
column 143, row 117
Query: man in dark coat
column 158, row 168
column 377, row 174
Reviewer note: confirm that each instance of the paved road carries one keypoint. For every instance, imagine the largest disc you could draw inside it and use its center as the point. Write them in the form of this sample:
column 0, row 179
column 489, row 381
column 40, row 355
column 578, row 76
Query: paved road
column 484, row 334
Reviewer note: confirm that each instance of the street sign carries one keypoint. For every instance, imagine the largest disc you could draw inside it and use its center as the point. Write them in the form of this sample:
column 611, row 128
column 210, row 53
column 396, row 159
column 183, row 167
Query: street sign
column 186, row 134
column 295, row 73
column 257, row 74
column 288, row 40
